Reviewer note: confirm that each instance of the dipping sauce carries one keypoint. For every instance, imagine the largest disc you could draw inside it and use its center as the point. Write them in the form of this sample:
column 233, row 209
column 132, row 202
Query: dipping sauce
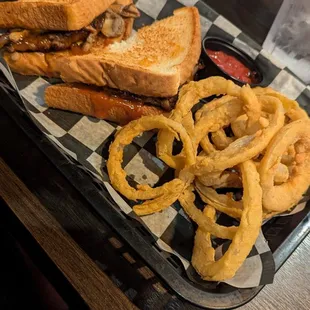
column 232, row 66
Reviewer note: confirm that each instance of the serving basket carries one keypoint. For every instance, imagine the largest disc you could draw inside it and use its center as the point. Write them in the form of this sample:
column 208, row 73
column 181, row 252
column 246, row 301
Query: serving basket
column 283, row 234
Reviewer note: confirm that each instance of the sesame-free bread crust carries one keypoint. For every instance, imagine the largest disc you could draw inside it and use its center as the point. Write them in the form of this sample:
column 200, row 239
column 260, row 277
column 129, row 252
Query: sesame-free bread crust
column 51, row 14
column 156, row 61
column 83, row 99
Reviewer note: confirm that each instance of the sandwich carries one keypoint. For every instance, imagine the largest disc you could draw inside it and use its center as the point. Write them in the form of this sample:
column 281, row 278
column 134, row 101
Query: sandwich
column 126, row 79
column 41, row 31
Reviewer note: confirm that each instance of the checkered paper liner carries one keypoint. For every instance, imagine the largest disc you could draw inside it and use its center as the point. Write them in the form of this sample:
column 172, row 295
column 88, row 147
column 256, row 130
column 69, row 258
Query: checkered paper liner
column 87, row 140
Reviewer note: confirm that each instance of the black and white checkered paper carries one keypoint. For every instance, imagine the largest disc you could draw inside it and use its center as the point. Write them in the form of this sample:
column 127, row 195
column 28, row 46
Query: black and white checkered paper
column 87, row 140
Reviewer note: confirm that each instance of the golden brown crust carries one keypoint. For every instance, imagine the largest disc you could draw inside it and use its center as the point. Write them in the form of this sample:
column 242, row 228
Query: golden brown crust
column 29, row 64
column 67, row 98
column 141, row 79
column 84, row 99
column 94, row 73
column 191, row 59
column 101, row 73
column 36, row 63
column 62, row 15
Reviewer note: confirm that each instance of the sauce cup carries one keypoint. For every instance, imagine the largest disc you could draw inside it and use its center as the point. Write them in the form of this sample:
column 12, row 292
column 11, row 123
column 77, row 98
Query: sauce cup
column 212, row 69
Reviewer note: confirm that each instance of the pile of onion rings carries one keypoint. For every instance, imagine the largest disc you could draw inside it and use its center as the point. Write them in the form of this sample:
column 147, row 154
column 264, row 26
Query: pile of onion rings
column 255, row 140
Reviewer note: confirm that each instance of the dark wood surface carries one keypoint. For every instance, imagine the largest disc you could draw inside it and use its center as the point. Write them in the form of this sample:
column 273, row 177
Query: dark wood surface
column 91, row 283
column 54, row 217
column 254, row 17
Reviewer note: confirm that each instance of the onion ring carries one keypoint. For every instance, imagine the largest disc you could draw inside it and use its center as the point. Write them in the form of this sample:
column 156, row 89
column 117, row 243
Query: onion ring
column 282, row 197
column 267, row 154
column 220, row 140
column 189, row 95
column 118, row 175
column 251, row 145
column 187, row 202
column 247, row 233
column 222, row 203
column 292, row 108
column 223, row 179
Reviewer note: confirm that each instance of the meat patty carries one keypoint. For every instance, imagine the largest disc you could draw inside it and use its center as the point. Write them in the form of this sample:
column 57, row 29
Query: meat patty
column 110, row 24
column 166, row 104
column 46, row 42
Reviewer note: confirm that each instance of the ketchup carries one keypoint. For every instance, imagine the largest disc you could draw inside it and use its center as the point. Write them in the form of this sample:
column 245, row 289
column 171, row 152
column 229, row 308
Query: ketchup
column 232, row 66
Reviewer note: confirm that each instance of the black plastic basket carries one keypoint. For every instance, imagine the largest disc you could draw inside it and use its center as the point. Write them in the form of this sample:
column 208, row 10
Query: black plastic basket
column 283, row 233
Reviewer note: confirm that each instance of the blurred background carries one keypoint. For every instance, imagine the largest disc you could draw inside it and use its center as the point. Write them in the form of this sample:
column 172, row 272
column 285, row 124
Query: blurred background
column 282, row 27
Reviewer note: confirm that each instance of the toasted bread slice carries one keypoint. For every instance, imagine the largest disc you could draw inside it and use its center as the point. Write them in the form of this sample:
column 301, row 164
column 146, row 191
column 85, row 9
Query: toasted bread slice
column 51, row 14
column 154, row 62
column 97, row 102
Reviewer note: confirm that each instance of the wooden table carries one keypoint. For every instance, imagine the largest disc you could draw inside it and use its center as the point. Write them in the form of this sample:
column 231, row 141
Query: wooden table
column 87, row 278
column 73, row 247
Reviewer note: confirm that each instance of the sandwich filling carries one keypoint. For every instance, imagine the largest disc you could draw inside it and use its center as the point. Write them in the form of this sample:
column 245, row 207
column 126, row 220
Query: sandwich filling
column 166, row 104
column 106, row 103
column 110, row 24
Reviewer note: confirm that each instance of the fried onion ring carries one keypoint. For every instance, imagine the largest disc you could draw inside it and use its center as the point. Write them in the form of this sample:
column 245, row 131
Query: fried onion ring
column 292, row 108
column 222, row 203
column 254, row 139
column 244, row 239
column 282, row 197
column 189, row 95
column 221, row 179
column 187, row 202
column 118, row 175
column 243, row 148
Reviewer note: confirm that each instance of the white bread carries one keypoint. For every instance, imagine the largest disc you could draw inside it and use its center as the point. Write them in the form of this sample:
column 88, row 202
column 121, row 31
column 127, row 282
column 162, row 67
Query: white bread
column 154, row 62
column 97, row 103
column 51, row 14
